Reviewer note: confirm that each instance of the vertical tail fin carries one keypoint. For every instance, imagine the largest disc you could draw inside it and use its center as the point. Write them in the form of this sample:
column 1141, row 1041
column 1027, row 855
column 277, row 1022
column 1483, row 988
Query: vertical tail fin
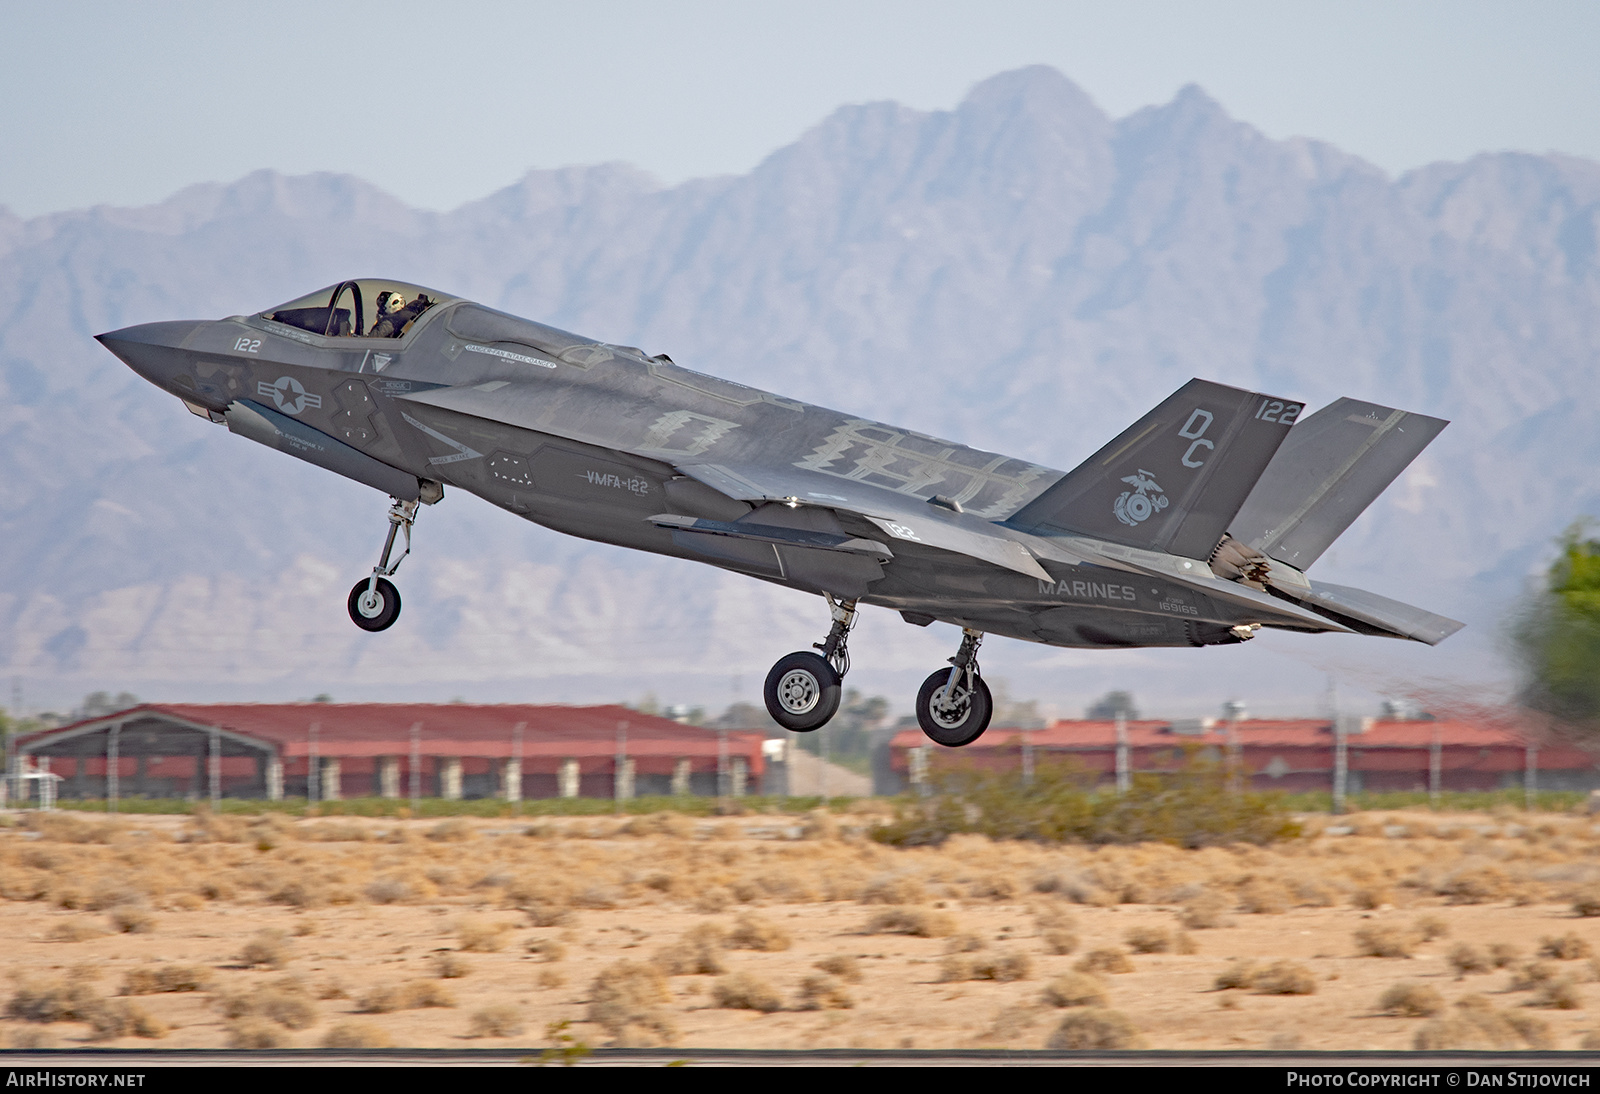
column 1175, row 478
column 1332, row 466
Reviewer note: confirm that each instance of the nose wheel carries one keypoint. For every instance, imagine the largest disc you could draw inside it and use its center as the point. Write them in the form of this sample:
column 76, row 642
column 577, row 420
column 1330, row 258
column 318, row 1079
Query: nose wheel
column 954, row 705
column 803, row 689
column 374, row 603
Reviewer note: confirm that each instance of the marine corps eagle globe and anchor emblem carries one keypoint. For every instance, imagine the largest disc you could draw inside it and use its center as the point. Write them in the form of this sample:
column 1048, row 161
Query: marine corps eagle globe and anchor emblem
column 1144, row 501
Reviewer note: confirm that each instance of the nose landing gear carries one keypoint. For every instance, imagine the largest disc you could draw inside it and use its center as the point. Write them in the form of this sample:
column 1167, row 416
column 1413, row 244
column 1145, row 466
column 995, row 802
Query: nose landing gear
column 954, row 705
column 374, row 602
column 803, row 689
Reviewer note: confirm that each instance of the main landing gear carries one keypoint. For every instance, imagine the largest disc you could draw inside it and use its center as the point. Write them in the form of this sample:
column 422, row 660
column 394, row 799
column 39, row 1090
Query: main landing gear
column 803, row 689
column 954, row 705
column 374, row 602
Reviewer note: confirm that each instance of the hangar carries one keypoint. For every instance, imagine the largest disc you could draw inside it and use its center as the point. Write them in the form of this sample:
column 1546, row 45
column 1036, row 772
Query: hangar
column 329, row 751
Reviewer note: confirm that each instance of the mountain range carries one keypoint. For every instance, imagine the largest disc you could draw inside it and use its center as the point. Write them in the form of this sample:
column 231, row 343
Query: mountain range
column 1022, row 273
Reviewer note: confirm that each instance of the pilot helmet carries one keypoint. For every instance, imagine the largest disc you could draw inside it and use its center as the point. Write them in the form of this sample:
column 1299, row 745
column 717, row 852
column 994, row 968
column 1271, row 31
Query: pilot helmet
column 390, row 302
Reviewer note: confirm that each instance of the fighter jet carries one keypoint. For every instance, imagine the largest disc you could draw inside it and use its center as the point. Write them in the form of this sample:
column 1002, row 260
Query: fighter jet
column 1193, row 527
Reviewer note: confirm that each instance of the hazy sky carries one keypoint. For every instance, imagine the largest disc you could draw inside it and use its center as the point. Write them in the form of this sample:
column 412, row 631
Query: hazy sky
column 443, row 103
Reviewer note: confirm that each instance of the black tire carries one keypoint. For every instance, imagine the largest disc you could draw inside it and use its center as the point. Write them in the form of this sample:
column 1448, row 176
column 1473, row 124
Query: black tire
column 379, row 613
column 802, row 692
column 964, row 722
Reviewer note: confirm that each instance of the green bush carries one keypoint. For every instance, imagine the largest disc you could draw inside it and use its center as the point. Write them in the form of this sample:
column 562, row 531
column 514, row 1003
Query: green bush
column 1190, row 807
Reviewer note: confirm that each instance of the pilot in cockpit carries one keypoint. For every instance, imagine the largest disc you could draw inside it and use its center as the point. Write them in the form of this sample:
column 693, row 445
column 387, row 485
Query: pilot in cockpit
column 395, row 315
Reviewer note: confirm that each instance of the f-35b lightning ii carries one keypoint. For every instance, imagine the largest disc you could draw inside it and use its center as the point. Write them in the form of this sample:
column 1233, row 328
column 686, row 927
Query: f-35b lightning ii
column 1193, row 527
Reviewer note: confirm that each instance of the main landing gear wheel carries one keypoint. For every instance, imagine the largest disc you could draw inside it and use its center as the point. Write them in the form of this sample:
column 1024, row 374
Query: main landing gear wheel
column 954, row 705
column 802, row 692
column 957, row 719
column 377, row 608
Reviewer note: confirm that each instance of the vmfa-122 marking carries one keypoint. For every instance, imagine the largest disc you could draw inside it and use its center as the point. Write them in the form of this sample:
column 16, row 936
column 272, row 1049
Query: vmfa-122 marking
column 1194, row 527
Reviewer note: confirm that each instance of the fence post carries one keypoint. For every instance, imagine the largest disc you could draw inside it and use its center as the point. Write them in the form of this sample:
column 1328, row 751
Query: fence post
column 215, row 769
column 1435, row 768
column 1530, row 778
column 113, row 760
column 1124, row 770
column 416, row 769
column 1341, row 764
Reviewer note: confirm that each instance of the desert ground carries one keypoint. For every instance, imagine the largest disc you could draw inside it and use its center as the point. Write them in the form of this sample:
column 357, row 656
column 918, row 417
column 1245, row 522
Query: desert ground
column 1376, row 931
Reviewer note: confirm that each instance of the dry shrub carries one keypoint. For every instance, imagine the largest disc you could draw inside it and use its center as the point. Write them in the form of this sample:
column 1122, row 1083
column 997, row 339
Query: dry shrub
column 1369, row 898
column 1095, row 1028
column 713, row 899
column 742, row 991
column 1503, row 954
column 675, row 825
column 894, row 889
column 1150, row 940
column 1568, row 947
column 550, row 949
column 1075, row 989
column 842, row 965
column 1466, row 958
column 994, row 886
column 698, row 952
column 1104, row 960
column 454, row 830
column 965, row 943
column 753, row 932
column 824, row 993
column 1264, row 896
column 112, row 1018
column 1206, row 909
column 1430, row 927
column 254, row 1033
column 164, row 978
column 1476, row 1024
column 133, row 920
column 448, row 965
column 1587, row 902
column 1384, row 941
column 1409, row 999
column 70, row 1000
column 498, row 1021
column 919, row 922
column 1561, row 994
column 1004, row 966
column 1285, row 978
column 625, row 1000
column 477, row 936
column 74, row 931
column 1059, row 941
column 31, row 1039
column 412, row 995
column 546, row 903
column 1240, row 973
column 271, row 948
column 549, row 979
column 390, row 890
column 1477, row 885
column 286, row 1002
column 1535, row 974
column 356, row 1035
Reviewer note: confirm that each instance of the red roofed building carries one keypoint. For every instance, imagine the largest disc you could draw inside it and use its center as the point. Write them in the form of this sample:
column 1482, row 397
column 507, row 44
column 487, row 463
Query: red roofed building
column 176, row 750
column 1282, row 755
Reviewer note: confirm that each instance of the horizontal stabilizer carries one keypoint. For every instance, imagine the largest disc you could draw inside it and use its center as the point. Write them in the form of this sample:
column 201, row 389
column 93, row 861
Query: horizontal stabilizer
column 1328, row 470
column 1370, row 613
column 1173, row 480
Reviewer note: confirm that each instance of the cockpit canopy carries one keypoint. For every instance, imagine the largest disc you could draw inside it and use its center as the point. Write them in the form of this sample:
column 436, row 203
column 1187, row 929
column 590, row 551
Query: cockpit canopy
column 359, row 309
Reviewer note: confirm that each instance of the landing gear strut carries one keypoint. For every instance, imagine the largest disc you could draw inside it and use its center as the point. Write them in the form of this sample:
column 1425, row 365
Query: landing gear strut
column 954, row 705
column 802, row 691
column 374, row 602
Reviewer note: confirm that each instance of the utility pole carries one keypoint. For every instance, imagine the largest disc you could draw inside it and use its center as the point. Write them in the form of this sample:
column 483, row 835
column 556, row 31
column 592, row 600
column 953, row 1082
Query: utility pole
column 516, row 752
column 1341, row 767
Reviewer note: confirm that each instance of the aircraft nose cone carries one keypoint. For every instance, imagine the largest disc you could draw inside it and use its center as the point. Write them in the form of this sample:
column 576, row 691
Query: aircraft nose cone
column 150, row 349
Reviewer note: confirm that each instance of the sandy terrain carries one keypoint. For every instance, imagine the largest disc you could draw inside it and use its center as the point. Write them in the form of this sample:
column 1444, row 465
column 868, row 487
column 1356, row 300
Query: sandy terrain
column 372, row 912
